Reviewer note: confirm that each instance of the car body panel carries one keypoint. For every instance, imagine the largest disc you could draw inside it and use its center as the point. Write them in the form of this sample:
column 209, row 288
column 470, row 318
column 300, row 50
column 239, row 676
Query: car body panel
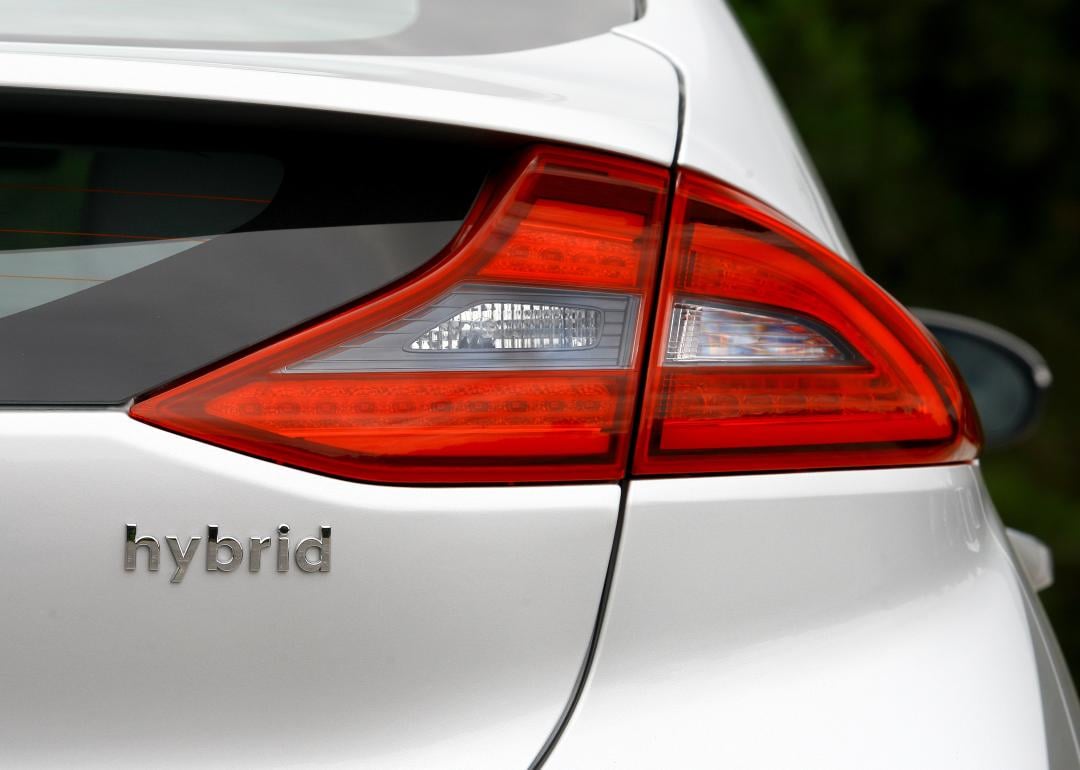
column 1060, row 708
column 605, row 91
column 449, row 631
column 734, row 127
column 843, row 619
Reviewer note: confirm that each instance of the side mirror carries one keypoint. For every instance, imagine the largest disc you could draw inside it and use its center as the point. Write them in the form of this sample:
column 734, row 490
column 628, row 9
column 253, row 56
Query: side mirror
column 1008, row 379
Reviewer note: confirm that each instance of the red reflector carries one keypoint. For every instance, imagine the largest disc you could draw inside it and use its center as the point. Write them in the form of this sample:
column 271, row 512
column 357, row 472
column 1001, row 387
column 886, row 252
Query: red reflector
column 537, row 311
column 784, row 356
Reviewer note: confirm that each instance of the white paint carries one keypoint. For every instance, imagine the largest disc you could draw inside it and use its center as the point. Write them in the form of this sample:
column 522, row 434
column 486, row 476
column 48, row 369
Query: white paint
column 813, row 620
column 448, row 633
column 604, row 92
column 1035, row 558
column 735, row 128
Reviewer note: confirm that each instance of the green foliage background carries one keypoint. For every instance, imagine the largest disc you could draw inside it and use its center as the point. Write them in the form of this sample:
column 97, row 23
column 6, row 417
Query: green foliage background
column 948, row 135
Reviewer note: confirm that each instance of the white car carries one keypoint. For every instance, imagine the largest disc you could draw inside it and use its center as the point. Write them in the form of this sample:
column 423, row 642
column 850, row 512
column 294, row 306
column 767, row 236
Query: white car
column 478, row 384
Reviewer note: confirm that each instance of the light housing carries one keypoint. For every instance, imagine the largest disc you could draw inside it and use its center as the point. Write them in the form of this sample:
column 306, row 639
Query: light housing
column 517, row 355
column 831, row 372
column 352, row 397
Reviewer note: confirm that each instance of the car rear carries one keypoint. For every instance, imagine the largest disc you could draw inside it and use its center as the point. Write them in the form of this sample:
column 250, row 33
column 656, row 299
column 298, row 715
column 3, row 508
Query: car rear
column 415, row 400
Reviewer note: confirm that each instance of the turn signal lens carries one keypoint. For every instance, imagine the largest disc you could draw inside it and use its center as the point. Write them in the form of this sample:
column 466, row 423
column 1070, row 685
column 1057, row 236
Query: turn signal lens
column 779, row 355
column 515, row 357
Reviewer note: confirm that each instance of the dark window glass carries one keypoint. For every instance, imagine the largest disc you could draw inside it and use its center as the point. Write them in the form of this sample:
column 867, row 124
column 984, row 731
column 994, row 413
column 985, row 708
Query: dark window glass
column 153, row 248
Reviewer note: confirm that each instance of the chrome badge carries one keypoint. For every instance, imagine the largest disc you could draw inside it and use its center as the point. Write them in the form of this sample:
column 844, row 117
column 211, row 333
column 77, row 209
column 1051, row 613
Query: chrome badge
column 225, row 554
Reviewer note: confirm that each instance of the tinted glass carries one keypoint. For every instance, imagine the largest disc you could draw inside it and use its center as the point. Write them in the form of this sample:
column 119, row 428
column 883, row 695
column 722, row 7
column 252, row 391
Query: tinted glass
column 74, row 217
column 145, row 250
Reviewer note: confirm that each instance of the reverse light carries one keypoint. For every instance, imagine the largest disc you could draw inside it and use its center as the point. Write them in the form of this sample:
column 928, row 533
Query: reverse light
column 514, row 326
column 515, row 357
column 475, row 327
column 776, row 354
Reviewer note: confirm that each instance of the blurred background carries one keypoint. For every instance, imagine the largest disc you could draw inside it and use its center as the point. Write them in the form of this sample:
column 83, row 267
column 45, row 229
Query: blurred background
column 948, row 135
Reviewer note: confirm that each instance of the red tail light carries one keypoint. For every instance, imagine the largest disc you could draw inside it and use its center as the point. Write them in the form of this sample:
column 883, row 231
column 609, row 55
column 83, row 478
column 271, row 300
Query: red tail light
column 515, row 358
column 517, row 355
column 772, row 353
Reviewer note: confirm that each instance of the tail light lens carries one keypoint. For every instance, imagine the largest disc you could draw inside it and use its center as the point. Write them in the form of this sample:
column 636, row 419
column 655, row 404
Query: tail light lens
column 772, row 353
column 515, row 357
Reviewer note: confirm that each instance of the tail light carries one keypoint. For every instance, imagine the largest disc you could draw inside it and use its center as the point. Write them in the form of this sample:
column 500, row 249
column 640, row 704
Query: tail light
column 772, row 353
column 517, row 355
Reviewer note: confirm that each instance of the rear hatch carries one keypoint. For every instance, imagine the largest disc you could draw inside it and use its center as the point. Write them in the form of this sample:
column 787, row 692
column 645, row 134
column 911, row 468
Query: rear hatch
column 172, row 602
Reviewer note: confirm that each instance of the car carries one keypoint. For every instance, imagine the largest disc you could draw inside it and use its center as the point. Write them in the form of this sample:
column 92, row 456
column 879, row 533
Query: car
column 484, row 384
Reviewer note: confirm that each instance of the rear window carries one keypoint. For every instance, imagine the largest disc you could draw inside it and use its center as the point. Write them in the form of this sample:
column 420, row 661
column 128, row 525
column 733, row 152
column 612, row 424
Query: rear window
column 382, row 27
column 72, row 217
column 136, row 249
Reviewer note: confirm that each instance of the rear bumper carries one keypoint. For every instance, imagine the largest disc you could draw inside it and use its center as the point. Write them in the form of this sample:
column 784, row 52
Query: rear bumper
column 821, row 620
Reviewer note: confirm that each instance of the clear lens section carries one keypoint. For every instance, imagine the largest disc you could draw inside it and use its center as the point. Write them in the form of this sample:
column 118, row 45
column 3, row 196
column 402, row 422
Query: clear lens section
column 515, row 326
column 487, row 328
column 710, row 334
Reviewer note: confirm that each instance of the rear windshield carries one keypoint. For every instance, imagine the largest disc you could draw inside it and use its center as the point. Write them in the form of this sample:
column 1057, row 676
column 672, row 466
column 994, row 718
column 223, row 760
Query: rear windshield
column 73, row 217
column 135, row 251
column 383, row 27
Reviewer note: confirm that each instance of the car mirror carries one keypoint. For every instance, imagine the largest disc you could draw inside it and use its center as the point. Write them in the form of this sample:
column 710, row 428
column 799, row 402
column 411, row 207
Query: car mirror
column 1008, row 379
